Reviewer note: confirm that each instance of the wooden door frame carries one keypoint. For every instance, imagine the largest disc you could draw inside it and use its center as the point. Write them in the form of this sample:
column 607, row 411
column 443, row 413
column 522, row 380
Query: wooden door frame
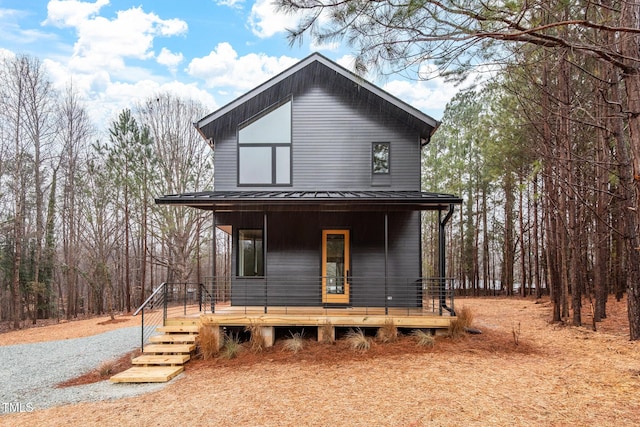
column 342, row 299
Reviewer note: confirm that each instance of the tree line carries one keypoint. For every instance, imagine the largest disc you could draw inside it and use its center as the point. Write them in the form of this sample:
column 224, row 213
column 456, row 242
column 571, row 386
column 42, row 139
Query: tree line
column 546, row 155
column 79, row 232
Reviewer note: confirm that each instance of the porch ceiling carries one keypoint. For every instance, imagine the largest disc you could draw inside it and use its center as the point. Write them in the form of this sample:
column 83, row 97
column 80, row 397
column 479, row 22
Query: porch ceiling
column 311, row 200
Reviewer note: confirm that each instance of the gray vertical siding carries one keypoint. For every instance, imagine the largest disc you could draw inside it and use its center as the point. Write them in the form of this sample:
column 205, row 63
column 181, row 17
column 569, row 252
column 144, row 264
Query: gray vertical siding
column 294, row 258
column 331, row 146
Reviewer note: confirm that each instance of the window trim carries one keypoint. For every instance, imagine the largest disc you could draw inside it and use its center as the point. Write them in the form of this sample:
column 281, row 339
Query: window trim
column 239, row 251
column 273, row 145
column 274, row 169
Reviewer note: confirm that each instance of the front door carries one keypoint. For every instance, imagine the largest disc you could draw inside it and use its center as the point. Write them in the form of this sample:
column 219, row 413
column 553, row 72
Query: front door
column 335, row 266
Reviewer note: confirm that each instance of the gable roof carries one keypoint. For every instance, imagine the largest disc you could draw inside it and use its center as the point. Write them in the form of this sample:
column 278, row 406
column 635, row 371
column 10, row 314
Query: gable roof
column 312, row 68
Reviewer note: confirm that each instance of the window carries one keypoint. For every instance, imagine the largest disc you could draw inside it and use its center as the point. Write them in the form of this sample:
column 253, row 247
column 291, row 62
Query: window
column 250, row 253
column 264, row 148
column 380, row 158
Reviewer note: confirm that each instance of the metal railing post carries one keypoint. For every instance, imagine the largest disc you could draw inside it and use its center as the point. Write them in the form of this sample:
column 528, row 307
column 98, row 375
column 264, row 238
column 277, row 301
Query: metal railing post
column 185, row 299
column 164, row 306
column 265, row 295
column 212, row 297
column 142, row 332
column 452, row 295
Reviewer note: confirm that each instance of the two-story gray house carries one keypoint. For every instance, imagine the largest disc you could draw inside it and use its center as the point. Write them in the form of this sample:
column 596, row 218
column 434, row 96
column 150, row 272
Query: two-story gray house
column 318, row 181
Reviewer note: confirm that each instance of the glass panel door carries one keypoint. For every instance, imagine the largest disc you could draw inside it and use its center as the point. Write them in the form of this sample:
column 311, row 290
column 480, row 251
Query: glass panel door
column 335, row 266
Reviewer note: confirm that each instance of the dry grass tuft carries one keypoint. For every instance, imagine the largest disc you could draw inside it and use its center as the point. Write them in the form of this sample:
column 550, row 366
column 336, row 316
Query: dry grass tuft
column 295, row 343
column 463, row 320
column 257, row 342
column 515, row 332
column 387, row 333
column 465, row 316
column 107, row 368
column 357, row 340
column 232, row 347
column 423, row 339
column 208, row 341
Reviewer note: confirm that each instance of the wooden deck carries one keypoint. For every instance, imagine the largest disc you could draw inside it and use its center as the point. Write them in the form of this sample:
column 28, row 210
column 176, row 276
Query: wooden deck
column 319, row 316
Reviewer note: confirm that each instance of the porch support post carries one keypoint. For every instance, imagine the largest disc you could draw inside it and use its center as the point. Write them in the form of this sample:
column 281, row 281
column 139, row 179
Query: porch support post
column 386, row 262
column 442, row 266
column 214, row 251
column 268, row 334
column 264, row 258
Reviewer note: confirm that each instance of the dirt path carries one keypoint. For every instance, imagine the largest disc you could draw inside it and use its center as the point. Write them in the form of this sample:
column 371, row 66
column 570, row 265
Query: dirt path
column 556, row 376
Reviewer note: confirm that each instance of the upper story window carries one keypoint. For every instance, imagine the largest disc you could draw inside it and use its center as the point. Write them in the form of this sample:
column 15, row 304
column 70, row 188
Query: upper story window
column 380, row 158
column 264, row 148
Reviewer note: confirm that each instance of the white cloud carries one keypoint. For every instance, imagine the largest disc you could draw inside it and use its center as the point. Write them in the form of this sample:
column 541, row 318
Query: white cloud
column 315, row 47
column 105, row 98
column 71, row 13
column 6, row 54
column 430, row 96
column 169, row 59
column 266, row 22
column 104, row 105
column 104, row 44
column 224, row 68
column 230, row 3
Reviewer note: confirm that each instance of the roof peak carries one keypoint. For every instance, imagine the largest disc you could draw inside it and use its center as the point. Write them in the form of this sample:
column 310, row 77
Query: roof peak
column 300, row 65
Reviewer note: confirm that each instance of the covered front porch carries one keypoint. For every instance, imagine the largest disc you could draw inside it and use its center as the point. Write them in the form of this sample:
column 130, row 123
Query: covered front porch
column 322, row 259
column 324, row 249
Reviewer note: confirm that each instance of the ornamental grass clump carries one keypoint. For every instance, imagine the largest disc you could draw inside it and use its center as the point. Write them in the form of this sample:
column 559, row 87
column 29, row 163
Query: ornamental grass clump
column 208, row 341
column 107, row 368
column 357, row 340
column 232, row 347
column 295, row 343
column 459, row 325
column 257, row 342
column 387, row 333
column 423, row 339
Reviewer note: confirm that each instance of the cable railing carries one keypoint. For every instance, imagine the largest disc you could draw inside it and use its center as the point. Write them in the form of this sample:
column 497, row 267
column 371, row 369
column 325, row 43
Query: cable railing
column 171, row 300
column 357, row 294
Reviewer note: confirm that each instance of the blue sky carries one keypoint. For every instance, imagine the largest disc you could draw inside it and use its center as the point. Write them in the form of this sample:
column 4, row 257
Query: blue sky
column 117, row 52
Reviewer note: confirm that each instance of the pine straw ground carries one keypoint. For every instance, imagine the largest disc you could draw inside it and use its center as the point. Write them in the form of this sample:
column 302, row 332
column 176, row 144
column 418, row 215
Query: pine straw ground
column 556, row 376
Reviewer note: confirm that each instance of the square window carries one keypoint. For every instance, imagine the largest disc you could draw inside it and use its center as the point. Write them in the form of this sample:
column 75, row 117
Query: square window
column 255, row 165
column 380, row 158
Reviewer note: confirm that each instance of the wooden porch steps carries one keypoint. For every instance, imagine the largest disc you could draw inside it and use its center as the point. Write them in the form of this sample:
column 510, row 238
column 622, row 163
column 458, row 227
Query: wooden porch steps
column 147, row 374
column 173, row 339
column 168, row 348
column 164, row 357
column 161, row 359
column 179, row 329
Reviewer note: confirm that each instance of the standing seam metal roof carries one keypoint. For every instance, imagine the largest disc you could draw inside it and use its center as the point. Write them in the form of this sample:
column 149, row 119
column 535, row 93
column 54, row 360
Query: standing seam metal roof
column 239, row 199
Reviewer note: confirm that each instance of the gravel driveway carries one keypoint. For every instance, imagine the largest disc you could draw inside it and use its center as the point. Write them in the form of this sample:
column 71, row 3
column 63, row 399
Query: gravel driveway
column 29, row 372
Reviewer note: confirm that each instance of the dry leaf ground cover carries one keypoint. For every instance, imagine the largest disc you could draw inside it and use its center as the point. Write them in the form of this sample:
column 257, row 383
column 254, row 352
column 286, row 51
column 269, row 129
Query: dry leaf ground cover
column 556, row 376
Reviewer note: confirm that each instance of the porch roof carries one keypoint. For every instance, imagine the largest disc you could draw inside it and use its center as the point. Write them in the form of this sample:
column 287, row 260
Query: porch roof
column 277, row 200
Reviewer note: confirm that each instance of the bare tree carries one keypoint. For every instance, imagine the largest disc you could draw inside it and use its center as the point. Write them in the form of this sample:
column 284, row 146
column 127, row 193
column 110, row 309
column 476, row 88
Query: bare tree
column 184, row 164
column 75, row 132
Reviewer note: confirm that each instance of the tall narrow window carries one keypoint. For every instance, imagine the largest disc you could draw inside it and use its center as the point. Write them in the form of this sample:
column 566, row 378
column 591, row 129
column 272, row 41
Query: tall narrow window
column 250, row 253
column 380, row 158
column 264, row 148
